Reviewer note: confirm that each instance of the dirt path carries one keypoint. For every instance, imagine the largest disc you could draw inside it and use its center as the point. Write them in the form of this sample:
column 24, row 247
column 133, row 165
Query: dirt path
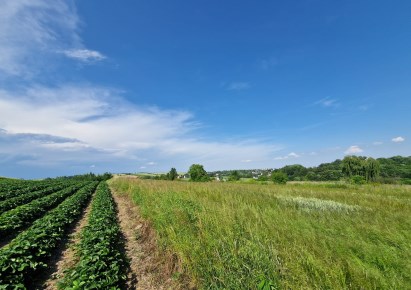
column 68, row 258
column 145, row 270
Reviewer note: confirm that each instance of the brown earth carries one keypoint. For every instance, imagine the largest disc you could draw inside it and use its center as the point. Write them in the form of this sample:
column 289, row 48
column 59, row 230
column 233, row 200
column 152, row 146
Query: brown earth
column 147, row 269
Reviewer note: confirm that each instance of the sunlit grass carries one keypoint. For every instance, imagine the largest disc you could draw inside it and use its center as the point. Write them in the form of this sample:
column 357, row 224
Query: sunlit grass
column 298, row 236
column 308, row 204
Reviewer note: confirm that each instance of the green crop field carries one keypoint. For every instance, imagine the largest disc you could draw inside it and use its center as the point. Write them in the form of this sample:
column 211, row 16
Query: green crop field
column 35, row 220
column 213, row 235
column 294, row 236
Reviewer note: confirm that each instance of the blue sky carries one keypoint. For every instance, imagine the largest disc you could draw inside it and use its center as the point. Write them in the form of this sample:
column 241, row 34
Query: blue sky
column 149, row 85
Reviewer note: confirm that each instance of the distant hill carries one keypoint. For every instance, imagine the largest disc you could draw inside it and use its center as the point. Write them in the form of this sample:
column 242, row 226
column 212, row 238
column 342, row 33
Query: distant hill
column 393, row 170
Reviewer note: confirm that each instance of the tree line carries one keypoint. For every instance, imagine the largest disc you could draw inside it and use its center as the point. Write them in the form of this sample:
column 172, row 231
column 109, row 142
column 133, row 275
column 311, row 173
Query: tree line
column 395, row 169
column 356, row 169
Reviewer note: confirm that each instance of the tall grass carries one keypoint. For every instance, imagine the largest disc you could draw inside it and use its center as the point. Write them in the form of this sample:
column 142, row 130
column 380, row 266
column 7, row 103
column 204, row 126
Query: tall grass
column 298, row 236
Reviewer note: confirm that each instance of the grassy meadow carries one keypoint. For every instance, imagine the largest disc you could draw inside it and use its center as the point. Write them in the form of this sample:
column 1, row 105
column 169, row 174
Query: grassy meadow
column 294, row 236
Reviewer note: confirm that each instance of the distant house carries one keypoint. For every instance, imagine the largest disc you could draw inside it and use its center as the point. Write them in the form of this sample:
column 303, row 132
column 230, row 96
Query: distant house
column 183, row 176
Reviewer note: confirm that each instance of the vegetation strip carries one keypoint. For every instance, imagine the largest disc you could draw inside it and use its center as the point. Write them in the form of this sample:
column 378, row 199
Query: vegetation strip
column 148, row 270
column 68, row 259
column 26, row 198
column 293, row 236
column 29, row 250
column 23, row 215
column 102, row 262
column 19, row 187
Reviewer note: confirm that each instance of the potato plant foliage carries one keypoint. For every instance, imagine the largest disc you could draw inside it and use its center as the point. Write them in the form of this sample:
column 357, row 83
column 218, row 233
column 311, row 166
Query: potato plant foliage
column 28, row 252
column 102, row 263
column 12, row 188
column 23, row 215
column 28, row 197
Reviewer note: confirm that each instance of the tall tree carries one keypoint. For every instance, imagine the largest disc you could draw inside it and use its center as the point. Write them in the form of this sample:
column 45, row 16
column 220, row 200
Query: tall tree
column 353, row 165
column 172, row 175
column 368, row 168
column 372, row 169
column 197, row 173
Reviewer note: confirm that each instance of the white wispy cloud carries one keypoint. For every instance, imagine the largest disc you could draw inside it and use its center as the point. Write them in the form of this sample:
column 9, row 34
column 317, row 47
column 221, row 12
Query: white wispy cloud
column 34, row 33
column 353, row 150
column 238, row 86
column 288, row 156
column 377, row 143
column 29, row 30
column 98, row 123
column 398, row 139
column 84, row 55
column 328, row 103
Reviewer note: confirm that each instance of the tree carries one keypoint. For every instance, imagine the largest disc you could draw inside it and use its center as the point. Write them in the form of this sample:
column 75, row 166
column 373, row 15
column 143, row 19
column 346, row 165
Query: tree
column 197, row 173
column 353, row 165
column 279, row 177
column 234, row 176
column 372, row 169
column 295, row 171
column 367, row 168
column 172, row 175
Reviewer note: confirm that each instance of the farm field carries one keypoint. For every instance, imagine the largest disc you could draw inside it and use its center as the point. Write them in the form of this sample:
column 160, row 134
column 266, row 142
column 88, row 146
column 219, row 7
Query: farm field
column 295, row 236
column 129, row 233
column 35, row 228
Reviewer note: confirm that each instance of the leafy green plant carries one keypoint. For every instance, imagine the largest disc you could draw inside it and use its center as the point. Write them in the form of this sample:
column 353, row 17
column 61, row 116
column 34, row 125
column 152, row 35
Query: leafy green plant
column 28, row 197
column 357, row 179
column 279, row 177
column 102, row 263
column 21, row 216
column 29, row 251
column 14, row 188
column 266, row 284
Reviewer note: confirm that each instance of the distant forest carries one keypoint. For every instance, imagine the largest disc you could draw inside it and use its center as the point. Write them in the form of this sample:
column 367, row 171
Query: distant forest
column 395, row 169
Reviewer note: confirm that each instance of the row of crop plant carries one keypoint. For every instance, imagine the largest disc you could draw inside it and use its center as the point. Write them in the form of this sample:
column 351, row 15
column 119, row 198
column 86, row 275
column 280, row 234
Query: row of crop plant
column 14, row 188
column 102, row 263
column 28, row 252
column 21, row 216
column 14, row 202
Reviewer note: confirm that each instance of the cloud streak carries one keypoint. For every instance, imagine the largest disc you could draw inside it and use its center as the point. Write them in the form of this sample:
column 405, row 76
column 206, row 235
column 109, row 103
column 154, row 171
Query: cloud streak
column 328, row 103
column 84, row 55
column 64, row 124
column 34, row 33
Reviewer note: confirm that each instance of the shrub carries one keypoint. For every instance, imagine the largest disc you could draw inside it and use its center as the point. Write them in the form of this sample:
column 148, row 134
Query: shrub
column 357, row 179
column 279, row 177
